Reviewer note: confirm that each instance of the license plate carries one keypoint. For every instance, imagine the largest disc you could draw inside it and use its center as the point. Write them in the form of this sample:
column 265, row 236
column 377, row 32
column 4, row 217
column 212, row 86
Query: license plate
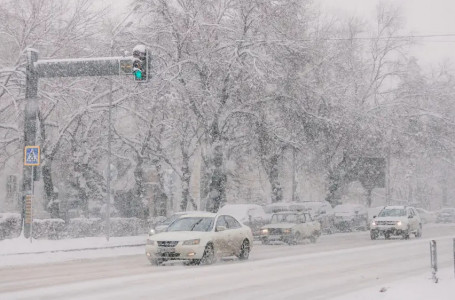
column 166, row 249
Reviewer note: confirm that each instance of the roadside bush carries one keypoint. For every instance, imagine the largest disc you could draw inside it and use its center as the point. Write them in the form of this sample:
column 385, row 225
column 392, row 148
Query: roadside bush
column 127, row 226
column 83, row 227
column 10, row 225
column 52, row 229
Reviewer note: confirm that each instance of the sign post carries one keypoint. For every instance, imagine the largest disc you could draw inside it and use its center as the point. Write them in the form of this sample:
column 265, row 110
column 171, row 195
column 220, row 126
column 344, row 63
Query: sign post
column 29, row 214
column 434, row 260
column 32, row 159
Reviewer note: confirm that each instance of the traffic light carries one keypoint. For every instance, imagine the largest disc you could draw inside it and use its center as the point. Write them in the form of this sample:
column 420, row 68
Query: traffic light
column 140, row 63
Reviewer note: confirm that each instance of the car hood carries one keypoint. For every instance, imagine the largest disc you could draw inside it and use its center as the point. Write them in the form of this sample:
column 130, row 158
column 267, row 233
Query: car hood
column 179, row 235
column 345, row 214
column 402, row 219
column 279, row 225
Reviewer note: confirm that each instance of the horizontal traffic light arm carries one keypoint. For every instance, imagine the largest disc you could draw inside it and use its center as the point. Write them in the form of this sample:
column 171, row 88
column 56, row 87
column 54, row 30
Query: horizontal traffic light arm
column 98, row 66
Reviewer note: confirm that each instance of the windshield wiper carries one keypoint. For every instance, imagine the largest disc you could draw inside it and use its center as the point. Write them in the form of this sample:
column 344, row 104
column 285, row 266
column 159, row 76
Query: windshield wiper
column 195, row 224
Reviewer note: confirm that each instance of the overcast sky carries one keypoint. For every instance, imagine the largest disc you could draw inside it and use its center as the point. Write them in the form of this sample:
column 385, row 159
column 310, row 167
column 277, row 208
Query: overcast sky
column 422, row 17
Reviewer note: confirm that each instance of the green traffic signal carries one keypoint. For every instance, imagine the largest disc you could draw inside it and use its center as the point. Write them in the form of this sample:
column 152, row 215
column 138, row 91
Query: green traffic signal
column 138, row 74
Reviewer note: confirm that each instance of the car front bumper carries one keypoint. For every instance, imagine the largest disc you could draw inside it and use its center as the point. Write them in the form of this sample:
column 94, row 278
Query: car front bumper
column 179, row 252
column 283, row 237
column 390, row 230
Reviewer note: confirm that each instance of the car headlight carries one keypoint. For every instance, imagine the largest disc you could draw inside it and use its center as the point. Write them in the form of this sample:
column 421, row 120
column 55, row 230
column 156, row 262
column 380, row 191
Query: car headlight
column 287, row 230
column 192, row 242
column 150, row 242
column 264, row 231
column 373, row 223
column 399, row 223
column 152, row 232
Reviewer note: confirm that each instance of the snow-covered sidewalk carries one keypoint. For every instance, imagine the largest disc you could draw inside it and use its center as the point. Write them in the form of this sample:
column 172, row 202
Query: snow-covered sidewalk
column 419, row 287
column 24, row 246
column 21, row 251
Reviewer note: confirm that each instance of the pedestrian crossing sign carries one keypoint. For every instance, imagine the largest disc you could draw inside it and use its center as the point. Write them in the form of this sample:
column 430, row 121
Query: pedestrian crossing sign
column 32, row 156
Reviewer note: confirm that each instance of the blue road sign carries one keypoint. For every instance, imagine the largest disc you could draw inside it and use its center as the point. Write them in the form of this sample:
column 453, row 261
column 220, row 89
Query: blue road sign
column 32, row 156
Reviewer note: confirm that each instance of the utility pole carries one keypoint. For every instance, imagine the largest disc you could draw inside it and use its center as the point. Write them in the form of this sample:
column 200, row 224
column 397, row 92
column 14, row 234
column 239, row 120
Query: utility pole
column 293, row 174
column 30, row 116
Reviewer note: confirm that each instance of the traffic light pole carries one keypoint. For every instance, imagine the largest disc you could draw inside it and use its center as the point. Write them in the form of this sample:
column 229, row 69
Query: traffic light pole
column 35, row 69
column 30, row 116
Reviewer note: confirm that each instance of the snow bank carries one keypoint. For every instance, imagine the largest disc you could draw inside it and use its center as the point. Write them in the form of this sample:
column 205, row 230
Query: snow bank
column 420, row 287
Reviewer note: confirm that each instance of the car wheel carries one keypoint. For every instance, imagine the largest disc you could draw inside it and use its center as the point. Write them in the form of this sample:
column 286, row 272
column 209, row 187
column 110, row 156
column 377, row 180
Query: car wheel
column 295, row 239
column 387, row 236
column 373, row 235
column 419, row 232
column 406, row 234
column 244, row 250
column 208, row 257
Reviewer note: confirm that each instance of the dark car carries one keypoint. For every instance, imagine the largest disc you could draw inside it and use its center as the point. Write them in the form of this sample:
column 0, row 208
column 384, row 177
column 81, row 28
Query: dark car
column 350, row 217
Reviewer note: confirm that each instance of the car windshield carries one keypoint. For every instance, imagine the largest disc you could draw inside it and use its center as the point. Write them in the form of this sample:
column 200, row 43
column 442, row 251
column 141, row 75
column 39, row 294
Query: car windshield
column 392, row 212
column 170, row 219
column 192, row 224
column 284, row 218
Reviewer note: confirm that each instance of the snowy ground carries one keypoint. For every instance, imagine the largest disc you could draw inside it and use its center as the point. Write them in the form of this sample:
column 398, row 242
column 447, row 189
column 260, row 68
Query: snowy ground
column 419, row 287
column 21, row 251
column 337, row 262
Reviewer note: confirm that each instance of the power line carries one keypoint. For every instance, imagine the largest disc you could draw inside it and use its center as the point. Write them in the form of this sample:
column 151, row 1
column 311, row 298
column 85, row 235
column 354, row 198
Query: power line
column 397, row 37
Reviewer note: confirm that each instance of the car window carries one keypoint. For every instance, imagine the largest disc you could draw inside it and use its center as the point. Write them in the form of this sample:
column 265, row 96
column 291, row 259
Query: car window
column 392, row 212
column 284, row 218
column 308, row 217
column 231, row 222
column 221, row 222
column 192, row 224
column 170, row 219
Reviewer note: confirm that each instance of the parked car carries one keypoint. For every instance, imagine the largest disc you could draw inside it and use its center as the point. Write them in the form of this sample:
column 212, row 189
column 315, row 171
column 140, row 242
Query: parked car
column 321, row 211
column 426, row 216
column 349, row 217
column 396, row 220
column 282, row 206
column 252, row 215
column 446, row 215
column 291, row 227
column 200, row 238
column 162, row 226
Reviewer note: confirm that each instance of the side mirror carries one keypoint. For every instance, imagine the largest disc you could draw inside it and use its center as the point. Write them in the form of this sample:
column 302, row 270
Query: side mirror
column 220, row 228
column 374, row 217
column 410, row 217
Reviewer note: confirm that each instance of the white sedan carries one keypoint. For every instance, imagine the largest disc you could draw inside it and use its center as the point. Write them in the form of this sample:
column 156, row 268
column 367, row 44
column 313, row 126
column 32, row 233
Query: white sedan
column 200, row 239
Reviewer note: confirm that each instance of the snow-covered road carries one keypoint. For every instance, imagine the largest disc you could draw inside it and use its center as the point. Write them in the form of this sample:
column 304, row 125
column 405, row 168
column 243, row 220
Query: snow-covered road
column 335, row 266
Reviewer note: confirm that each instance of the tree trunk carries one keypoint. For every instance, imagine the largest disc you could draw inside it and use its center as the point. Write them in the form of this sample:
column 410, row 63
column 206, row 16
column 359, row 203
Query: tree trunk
column 186, row 177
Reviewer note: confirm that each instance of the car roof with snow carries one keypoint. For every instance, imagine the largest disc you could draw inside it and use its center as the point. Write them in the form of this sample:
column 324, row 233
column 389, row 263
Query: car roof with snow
column 201, row 214
column 395, row 207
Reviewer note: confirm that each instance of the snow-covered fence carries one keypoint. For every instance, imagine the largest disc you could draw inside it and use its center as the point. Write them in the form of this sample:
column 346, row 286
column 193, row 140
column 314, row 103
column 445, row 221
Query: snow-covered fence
column 10, row 225
column 52, row 229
